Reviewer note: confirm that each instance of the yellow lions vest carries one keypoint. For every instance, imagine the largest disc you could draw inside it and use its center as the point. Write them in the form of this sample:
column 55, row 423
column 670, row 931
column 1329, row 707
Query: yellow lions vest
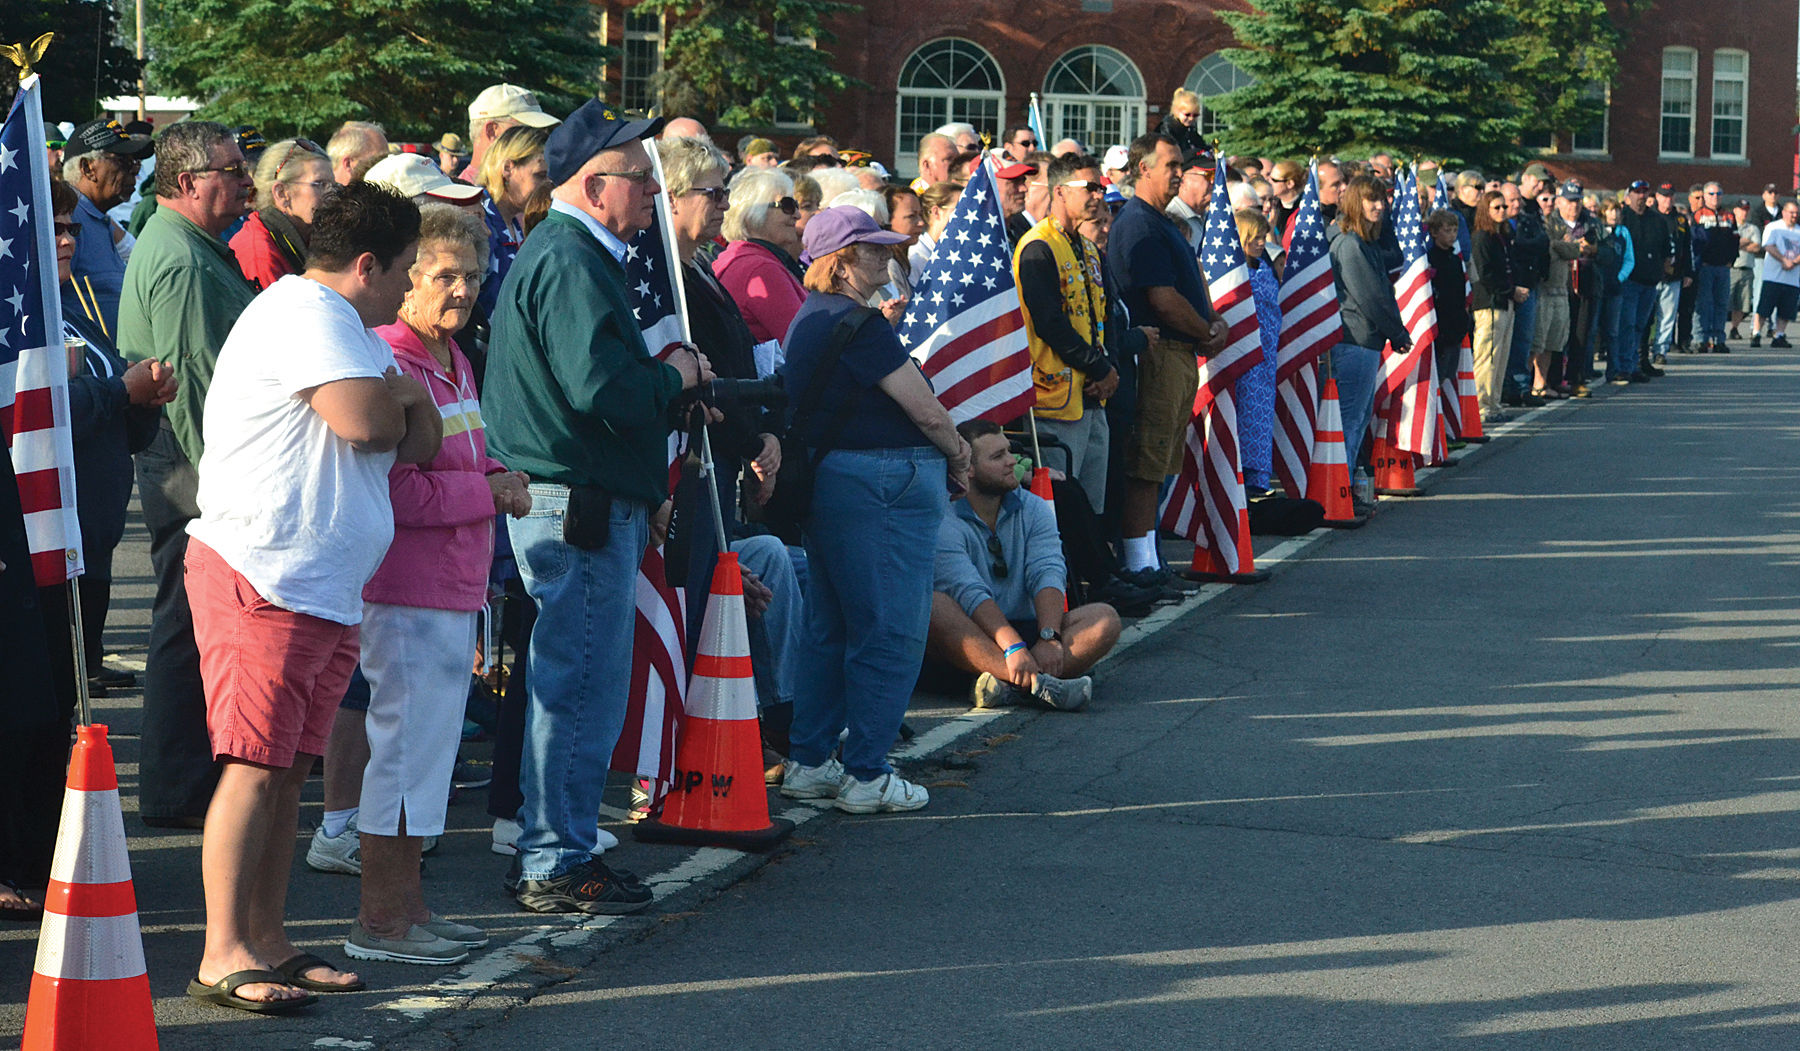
column 1084, row 302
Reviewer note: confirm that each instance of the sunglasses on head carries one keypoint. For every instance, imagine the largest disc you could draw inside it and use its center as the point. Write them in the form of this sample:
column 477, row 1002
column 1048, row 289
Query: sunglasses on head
column 308, row 145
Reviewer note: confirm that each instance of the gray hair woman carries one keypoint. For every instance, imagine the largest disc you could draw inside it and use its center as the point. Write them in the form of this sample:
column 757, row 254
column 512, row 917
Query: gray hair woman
column 418, row 629
column 760, row 266
column 292, row 177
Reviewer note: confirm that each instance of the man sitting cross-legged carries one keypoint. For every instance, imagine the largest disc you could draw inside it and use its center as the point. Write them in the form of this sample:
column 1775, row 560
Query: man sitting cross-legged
column 998, row 606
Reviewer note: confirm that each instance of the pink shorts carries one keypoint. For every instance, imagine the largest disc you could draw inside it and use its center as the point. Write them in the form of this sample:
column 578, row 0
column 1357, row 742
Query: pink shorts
column 273, row 677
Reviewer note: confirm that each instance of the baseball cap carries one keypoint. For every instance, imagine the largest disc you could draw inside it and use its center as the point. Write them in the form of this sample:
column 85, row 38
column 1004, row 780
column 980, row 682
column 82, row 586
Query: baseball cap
column 590, row 129
column 250, row 141
column 1200, row 158
column 411, row 174
column 510, row 101
column 1116, row 158
column 1771, row 188
column 1014, row 170
column 1666, row 189
column 1639, row 186
column 106, row 136
column 840, row 227
column 1534, row 168
column 1571, row 190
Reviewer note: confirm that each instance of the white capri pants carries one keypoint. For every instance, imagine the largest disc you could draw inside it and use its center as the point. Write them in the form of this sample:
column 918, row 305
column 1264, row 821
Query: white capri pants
column 418, row 663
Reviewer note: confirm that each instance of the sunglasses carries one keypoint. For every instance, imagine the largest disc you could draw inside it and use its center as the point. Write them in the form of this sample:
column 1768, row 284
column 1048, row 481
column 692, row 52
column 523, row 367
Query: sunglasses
column 1030, row 144
column 788, row 206
column 715, row 194
column 1083, row 184
column 236, row 171
column 67, row 228
column 999, row 566
column 308, row 145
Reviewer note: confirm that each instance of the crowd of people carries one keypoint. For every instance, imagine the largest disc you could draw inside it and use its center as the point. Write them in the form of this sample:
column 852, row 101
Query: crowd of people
column 367, row 394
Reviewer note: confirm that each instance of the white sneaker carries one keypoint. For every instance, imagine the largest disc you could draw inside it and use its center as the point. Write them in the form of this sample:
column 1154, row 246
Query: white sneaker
column 812, row 782
column 339, row 853
column 508, row 831
column 1065, row 695
column 888, row 793
column 991, row 692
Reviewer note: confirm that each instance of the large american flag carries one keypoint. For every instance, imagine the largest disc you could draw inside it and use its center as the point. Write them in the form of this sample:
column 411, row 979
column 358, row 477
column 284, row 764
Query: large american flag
column 964, row 324
column 1406, row 398
column 1207, row 499
column 659, row 643
column 34, row 366
column 1310, row 326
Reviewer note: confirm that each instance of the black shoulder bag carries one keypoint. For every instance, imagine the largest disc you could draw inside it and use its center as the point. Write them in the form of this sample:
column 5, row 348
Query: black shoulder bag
column 789, row 505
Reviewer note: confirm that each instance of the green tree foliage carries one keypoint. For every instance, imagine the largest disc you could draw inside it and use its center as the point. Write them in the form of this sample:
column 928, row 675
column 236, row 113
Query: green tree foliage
column 305, row 66
column 746, row 63
column 86, row 63
column 1424, row 78
column 1566, row 53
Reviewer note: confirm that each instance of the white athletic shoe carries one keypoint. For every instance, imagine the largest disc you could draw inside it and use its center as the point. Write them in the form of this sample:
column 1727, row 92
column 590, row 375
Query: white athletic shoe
column 812, row 782
column 339, row 853
column 886, row 794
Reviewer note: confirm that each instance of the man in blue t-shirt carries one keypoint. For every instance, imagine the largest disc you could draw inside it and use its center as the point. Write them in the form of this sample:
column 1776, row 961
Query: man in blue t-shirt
column 1149, row 262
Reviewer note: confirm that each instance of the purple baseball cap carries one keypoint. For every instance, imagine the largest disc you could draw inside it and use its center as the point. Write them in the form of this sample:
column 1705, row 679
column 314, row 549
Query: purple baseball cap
column 835, row 228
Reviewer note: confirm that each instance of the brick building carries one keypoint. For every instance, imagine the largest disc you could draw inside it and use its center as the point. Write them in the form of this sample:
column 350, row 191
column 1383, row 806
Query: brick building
column 1706, row 88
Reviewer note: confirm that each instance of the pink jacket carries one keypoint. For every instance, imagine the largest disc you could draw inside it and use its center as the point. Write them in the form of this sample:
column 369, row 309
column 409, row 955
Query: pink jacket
column 443, row 510
column 765, row 291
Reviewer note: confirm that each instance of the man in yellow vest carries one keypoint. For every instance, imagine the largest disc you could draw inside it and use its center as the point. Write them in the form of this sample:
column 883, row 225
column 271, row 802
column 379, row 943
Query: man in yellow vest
column 1064, row 299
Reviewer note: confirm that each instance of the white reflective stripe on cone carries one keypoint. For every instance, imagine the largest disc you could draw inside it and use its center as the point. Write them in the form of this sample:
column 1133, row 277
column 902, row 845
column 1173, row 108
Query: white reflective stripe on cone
column 90, row 840
column 95, row 948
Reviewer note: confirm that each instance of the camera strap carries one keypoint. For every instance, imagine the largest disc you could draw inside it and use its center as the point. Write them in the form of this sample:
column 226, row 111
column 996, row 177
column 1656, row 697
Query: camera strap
column 815, row 388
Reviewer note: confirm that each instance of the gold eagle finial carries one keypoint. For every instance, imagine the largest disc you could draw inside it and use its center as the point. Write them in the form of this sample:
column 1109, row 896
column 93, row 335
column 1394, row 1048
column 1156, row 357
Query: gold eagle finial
column 27, row 55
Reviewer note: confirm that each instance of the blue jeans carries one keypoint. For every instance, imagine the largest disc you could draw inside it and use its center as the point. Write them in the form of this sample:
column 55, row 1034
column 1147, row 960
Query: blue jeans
column 1635, row 303
column 1356, row 369
column 1712, row 301
column 784, row 622
column 869, row 539
column 1668, row 300
column 580, row 673
column 1518, row 356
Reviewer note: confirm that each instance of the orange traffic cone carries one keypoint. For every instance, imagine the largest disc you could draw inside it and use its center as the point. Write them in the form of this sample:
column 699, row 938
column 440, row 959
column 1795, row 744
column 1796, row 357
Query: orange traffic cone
column 1328, row 476
column 1468, row 398
column 1040, row 484
column 718, row 797
column 1393, row 468
column 1214, row 568
column 90, row 987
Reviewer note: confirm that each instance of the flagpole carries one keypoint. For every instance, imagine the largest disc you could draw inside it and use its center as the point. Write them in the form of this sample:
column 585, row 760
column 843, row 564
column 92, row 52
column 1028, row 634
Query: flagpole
column 84, row 705
column 678, row 281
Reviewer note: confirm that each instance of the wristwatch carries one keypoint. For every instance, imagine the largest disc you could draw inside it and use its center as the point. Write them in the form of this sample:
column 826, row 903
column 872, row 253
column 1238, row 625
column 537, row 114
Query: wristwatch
column 1049, row 635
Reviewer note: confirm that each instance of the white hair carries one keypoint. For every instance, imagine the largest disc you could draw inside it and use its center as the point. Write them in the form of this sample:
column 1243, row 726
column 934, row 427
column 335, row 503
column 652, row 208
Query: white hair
column 753, row 193
column 952, row 130
column 869, row 201
column 1243, row 195
column 833, row 181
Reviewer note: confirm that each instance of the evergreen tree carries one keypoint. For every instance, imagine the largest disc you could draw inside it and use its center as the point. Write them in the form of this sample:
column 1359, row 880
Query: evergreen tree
column 747, row 63
column 1420, row 78
column 85, row 63
column 1567, row 52
column 305, row 66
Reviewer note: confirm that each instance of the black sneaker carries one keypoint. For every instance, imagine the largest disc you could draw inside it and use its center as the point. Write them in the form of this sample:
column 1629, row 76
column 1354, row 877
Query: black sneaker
column 590, row 888
column 1650, row 370
column 1640, row 376
column 1756, row 339
column 1720, row 348
column 1780, row 341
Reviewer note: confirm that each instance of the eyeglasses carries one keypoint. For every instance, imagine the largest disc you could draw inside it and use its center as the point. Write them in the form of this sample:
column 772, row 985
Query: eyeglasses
column 637, row 175
column 788, row 206
column 308, row 145
column 715, row 194
column 1030, row 144
column 1083, row 184
column 999, row 566
column 317, row 184
column 449, row 279
column 235, row 171
column 67, row 228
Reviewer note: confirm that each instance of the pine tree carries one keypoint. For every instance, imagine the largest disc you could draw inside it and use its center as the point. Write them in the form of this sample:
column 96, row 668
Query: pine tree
column 1567, row 52
column 304, row 66
column 85, row 63
column 747, row 63
column 1424, row 78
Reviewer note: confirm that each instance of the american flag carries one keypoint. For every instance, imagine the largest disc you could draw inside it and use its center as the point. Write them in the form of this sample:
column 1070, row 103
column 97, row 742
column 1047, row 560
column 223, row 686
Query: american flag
column 1207, row 499
column 659, row 643
column 1406, row 398
column 34, row 366
column 964, row 324
column 1309, row 327
column 1449, row 403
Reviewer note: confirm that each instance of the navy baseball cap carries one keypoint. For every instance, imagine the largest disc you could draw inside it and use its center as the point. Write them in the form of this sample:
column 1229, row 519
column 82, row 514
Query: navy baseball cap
column 1639, row 186
column 594, row 127
column 1571, row 190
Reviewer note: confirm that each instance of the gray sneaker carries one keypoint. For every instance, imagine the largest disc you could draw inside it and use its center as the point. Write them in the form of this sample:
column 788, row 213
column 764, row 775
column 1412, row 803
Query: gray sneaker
column 989, row 692
column 451, row 931
column 419, row 946
column 1065, row 695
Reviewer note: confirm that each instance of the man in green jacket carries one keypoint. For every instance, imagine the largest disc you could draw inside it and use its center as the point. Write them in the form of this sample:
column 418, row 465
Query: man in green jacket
column 183, row 292
column 575, row 400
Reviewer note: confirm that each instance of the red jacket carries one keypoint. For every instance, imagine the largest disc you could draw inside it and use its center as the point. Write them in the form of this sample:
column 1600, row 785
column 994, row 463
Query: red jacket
column 258, row 256
column 765, row 291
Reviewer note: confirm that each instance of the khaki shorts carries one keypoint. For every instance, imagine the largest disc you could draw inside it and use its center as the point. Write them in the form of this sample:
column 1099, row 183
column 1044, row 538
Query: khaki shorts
column 1168, row 379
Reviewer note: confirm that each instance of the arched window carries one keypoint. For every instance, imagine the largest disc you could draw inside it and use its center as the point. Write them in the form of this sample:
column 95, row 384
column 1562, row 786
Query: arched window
column 1211, row 76
column 1094, row 95
column 945, row 81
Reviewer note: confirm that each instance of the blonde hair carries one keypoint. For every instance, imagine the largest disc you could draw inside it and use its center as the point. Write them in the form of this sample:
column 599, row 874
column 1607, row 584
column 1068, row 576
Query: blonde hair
column 1250, row 222
column 685, row 161
column 1184, row 97
column 287, row 159
column 517, row 144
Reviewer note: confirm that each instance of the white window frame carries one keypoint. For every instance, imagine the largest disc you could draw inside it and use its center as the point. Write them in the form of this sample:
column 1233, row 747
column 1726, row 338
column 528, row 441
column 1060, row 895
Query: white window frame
column 1058, row 106
column 1208, row 79
column 627, row 74
column 1741, row 78
column 784, row 37
column 1605, row 147
column 990, row 102
column 1692, row 76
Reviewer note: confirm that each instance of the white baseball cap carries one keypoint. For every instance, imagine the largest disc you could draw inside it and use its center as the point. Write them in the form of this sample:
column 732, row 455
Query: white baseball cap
column 1116, row 158
column 509, row 101
column 411, row 174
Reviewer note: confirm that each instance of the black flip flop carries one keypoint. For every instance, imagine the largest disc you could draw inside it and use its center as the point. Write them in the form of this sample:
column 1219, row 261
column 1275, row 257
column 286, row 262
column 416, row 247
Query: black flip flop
column 29, row 912
column 224, row 993
column 294, row 971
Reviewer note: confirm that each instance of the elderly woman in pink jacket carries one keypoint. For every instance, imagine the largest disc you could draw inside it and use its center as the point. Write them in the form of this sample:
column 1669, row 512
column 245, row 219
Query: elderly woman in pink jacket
column 760, row 266
column 418, row 635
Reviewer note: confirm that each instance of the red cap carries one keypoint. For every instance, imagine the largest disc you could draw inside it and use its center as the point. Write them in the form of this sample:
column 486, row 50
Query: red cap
column 1015, row 170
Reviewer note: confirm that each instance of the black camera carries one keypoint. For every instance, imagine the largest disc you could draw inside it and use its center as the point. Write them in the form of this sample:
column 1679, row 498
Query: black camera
column 770, row 393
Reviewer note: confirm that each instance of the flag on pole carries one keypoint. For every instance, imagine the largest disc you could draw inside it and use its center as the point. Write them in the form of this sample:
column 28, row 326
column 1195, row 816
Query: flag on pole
column 964, row 325
column 1406, row 397
column 1208, row 495
column 1449, row 401
column 34, row 363
column 1034, row 118
column 1309, row 327
column 659, row 640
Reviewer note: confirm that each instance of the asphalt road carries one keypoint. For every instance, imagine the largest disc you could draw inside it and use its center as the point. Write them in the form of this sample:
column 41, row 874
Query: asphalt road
column 1513, row 766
